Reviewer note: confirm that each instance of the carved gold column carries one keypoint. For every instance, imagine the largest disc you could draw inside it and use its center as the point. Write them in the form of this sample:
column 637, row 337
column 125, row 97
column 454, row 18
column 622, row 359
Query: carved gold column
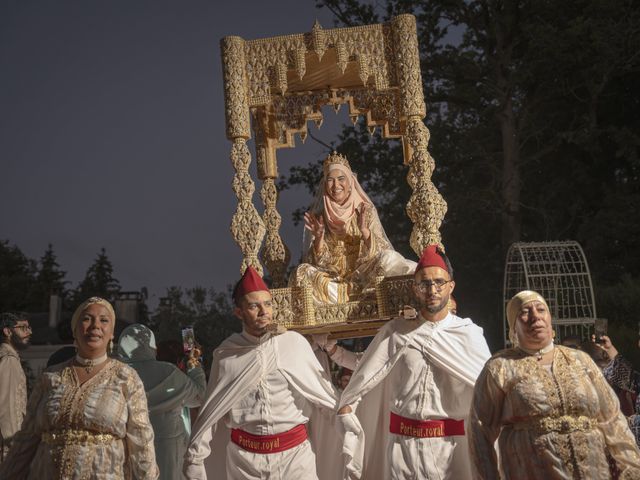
column 247, row 227
column 275, row 253
column 426, row 207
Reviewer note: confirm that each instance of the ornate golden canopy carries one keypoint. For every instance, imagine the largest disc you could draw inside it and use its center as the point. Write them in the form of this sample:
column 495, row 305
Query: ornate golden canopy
column 275, row 86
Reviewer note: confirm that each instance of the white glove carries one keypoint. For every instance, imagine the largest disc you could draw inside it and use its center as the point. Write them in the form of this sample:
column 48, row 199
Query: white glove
column 350, row 423
column 194, row 471
column 352, row 446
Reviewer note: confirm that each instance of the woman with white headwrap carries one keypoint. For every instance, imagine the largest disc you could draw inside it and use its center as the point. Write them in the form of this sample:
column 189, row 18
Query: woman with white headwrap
column 168, row 391
column 549, row 407
column 345, row 247
column 87, row 417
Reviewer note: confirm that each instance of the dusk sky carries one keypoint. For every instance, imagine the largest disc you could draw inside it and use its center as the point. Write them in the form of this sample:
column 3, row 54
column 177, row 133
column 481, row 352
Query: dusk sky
column 112, row 134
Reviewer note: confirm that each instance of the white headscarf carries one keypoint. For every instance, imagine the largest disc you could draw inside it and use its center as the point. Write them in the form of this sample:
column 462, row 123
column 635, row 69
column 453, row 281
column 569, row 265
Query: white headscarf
column 515, row 305
column 83, row 306
column 337, row 216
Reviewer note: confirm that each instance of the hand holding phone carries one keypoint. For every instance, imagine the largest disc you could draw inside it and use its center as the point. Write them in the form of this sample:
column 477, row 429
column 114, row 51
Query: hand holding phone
column 191, row 348
column 600, row 329
column 188, row 340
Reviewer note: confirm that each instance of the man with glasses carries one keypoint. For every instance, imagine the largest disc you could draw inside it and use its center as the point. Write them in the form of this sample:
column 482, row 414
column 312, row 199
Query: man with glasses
column 268, row 387
column 16, row 336
column 412, row 389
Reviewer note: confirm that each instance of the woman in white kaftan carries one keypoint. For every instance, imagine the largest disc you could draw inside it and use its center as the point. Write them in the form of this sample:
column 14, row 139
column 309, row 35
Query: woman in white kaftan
column 168, row 391
column 345, row 247
column 86, row 418
column 549, row 407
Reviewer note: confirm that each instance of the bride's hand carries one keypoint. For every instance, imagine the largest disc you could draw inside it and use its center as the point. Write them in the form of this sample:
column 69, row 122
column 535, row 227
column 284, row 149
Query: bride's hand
column 315, row 225
column 362, row 214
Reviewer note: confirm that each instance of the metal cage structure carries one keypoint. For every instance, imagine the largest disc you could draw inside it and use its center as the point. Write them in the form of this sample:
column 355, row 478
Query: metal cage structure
column 560, row 273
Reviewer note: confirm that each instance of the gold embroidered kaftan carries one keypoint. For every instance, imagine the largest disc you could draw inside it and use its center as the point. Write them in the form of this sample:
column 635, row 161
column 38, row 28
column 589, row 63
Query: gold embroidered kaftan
column 346, row 265
column 96, row 430
column 556, row 424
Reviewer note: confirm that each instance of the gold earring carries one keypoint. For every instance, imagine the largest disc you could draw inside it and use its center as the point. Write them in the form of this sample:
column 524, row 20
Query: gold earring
column 110, row 346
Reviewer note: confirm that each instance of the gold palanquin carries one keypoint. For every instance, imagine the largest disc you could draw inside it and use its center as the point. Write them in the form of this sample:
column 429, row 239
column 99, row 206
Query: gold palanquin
column 274, row 86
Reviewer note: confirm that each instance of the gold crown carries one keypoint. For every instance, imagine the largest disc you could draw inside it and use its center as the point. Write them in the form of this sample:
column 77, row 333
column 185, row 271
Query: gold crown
column 334, row 158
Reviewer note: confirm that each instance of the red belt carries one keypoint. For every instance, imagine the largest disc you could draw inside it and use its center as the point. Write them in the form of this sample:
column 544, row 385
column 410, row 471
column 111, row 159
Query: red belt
column 446, row 427
column 269, row 443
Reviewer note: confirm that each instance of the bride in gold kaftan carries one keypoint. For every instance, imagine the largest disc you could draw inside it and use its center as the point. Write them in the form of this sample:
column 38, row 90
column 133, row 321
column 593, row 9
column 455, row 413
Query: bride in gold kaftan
column 345, row 247
column 85, row 420
column 552, row 411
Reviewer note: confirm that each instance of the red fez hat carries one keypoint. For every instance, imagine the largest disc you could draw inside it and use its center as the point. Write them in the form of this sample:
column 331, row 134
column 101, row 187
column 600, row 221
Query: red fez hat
column 250, row 282
column 431, row 257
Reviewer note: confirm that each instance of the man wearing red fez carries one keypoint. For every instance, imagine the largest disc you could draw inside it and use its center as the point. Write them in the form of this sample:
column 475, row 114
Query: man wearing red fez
column 406, row 406
column 269, row 406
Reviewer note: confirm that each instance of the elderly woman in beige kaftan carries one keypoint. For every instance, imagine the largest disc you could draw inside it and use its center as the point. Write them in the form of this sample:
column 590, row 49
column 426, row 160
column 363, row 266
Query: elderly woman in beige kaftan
column 345, row 247
column 86, row 418
column 552, row 411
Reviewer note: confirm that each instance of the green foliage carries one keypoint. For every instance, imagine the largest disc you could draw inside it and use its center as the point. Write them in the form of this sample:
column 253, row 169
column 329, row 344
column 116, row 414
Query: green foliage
column 208, row 311
column 17, row 277
column 98, row 281
column 49, row 281
column 532, row 109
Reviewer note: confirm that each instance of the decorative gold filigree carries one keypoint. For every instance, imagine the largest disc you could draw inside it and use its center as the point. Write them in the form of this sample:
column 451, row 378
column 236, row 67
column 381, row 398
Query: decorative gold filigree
column 334, row 158
column 293, row 306
column 247, row 227
column 275, row 254
column 318, row 40
column 300, row 62
column 281, row 77
column 426, row 207
column 405, row 42
column 364, row 72
column 342, row 55
column 375, row 70
column 235, row 88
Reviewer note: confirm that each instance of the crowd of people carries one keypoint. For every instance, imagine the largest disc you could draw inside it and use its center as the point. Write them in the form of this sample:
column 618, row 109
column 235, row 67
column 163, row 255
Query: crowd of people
column 425, row 400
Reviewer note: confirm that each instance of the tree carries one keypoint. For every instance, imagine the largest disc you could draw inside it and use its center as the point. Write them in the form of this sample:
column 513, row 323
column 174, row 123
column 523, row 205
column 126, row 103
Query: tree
column 533, row 128
column 207, row 311
column 48, row 281
column 17, row 276
column 98, row 281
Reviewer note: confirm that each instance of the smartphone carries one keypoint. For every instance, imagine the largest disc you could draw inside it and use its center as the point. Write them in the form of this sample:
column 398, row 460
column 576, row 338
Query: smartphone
column 600, row 328
column 188, row 339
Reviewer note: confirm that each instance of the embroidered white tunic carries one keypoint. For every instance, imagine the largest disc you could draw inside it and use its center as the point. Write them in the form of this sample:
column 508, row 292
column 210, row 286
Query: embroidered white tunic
column 420, row 370
column 264, row 386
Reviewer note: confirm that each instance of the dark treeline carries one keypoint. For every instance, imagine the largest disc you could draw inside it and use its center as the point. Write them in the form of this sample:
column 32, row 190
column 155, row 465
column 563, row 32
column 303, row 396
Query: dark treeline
column 533, row 113
column 532, row 109
column 27, row 284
